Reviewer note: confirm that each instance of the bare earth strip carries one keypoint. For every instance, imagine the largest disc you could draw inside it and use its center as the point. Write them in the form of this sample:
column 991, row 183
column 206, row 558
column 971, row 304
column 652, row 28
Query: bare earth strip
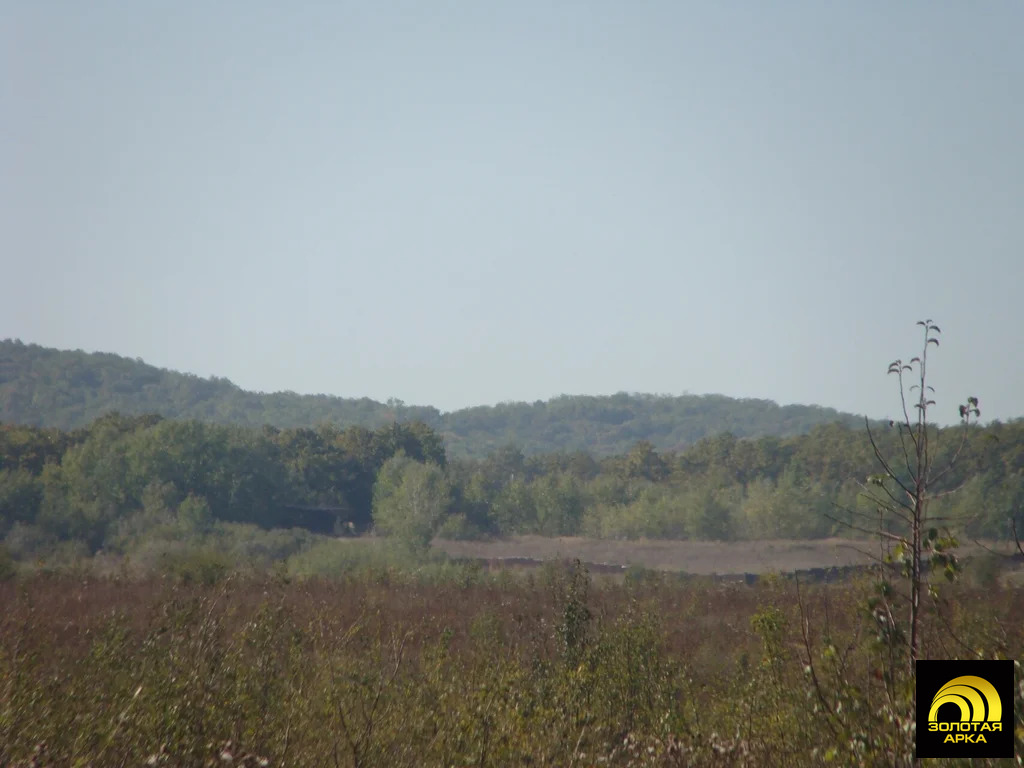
column 697, row 557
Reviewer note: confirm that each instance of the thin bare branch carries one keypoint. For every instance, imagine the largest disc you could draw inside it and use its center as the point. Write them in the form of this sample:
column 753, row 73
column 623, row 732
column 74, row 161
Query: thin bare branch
column 805, row 632
column 1016, row 538
column 881, row 460
column 956, row 455
column 870, row 532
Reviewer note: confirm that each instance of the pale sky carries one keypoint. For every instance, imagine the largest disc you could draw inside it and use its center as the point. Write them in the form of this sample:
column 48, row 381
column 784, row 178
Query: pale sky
column 460, row 203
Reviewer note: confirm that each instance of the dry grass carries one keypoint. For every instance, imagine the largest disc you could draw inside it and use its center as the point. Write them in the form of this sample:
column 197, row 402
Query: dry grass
column 695, row 557
column 544, row 669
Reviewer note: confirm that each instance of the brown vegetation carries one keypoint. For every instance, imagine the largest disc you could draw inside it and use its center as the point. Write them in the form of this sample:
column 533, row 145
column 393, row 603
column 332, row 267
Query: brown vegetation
column 388, row 670
column 696, row 557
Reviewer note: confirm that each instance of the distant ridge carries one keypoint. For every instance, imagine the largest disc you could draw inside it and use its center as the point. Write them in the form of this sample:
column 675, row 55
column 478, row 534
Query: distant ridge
column 68, row 389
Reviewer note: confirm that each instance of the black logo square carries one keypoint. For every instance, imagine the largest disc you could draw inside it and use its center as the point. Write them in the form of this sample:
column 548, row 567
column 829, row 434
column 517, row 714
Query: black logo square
column 964, row 709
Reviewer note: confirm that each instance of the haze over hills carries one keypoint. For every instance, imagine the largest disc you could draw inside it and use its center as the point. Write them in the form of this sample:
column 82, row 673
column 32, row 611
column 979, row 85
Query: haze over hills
column 67, row 389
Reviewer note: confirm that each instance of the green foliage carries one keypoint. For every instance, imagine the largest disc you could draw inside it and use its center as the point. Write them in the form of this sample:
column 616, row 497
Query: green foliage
column 125, row 480
column 252, row 547
column 572, row 630
column 21, row 494
column 8, row 568
column 198, row 566
column 410, row 500
column 380, row 560
column 558, row 504
column 28, row 543
column 707, row 517
column 71, row 389
column 194, row 515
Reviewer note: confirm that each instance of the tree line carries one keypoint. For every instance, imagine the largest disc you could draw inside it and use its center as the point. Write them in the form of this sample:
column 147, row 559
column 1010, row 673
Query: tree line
column 70, row 390
column 124, row 476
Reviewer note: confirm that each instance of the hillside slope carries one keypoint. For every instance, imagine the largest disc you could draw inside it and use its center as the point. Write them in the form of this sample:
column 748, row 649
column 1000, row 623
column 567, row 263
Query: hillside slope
column 68, row 389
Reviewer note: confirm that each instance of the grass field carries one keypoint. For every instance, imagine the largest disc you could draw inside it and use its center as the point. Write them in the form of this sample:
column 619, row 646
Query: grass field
column 696, row 557
column 382, row 669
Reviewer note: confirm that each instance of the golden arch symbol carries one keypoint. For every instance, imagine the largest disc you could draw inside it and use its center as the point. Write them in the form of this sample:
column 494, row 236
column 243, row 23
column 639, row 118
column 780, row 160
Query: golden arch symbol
column 970, row 693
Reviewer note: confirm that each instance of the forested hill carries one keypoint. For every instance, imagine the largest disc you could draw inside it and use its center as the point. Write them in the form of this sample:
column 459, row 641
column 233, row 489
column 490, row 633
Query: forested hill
column 55, row 388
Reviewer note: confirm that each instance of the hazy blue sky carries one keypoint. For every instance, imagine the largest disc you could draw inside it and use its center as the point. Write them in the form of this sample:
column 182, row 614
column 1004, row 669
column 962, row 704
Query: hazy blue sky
column 457, row 203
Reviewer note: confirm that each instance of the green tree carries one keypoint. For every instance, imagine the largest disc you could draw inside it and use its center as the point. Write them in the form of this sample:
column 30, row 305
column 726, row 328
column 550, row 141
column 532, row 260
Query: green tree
column 514, row 509
column 89, row 490
column 708, row 516
column 558, row 504
column 20, row 497
column 643, row 462
column 194, row 515
column 410, row 500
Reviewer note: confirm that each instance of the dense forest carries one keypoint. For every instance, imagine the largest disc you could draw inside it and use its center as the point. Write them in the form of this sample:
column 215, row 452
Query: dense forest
column 69, row 390
column 126, row 482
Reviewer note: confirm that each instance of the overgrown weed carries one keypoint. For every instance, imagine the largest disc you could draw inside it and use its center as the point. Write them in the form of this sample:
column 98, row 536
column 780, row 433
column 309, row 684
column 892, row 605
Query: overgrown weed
column 555, row 669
